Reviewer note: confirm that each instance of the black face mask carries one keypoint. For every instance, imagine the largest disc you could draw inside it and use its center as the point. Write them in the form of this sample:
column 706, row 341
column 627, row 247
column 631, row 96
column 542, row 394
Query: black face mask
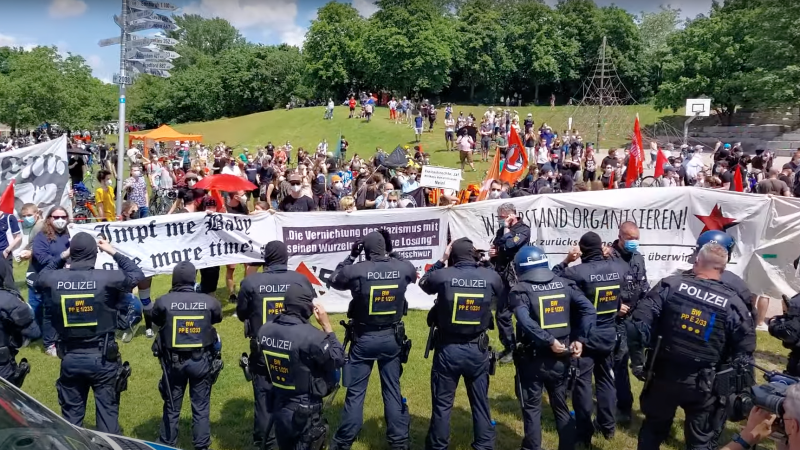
column 134, row 215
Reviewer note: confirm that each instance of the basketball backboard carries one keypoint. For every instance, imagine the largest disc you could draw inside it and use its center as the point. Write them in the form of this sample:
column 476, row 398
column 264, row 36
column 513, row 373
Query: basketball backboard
column 698, row 107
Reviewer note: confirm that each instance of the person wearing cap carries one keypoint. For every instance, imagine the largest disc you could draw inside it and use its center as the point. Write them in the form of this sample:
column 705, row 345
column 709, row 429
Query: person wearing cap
column 187, row 346
column 304, row 364
column 296, row 201
column 553, row 165
column 462, row 315
column 670, row 177
column 694, row 166
column 86, row 306
column 599, row 279
column 330, row 200
column 553, row 322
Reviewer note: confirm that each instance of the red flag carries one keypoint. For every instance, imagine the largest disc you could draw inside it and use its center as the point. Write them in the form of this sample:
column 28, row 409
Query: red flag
column 737, row 179
column 7, row 199
column 660, row 161
column 638, row 145
column 218, row 198
column 611, row 180
column 516, row 159
column 491, row 175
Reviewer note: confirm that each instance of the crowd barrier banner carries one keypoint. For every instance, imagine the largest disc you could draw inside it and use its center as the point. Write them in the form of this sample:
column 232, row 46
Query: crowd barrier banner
column 40, row 173
column 766, row 229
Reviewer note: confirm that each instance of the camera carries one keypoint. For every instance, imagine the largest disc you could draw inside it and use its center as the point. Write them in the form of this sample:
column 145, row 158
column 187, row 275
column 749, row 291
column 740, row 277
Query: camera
column 769, row 397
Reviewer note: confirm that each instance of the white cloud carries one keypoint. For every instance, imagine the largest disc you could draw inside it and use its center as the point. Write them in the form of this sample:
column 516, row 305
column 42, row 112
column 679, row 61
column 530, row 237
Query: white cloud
column 365, row 7
column 277, row 18
column 67, row 8
column 12, row 41
column 294, row 36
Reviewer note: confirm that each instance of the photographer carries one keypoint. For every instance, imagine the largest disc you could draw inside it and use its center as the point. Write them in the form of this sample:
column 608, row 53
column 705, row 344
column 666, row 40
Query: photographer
column 759, row 424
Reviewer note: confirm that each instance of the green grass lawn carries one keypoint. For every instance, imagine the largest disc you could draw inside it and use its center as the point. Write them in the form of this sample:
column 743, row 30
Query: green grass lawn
column 232, row 397
column 304, row 127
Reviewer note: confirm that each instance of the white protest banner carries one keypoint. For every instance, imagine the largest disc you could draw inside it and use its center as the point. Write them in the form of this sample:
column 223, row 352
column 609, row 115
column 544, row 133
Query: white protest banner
column 40, row 173
column 440, row 177
column 773, row 263
column 669, row 219
column 157, row 244
column 319, row 241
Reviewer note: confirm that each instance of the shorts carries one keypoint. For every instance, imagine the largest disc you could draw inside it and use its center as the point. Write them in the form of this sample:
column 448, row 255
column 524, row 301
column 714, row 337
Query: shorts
column 352, row 109
column 418, row 130
column 449, row 135
column 485, row 144
column 465, row 157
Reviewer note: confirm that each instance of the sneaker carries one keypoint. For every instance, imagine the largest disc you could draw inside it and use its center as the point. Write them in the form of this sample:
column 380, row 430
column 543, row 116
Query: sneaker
column 126, row 337
column 51, row 351
column 506, row 356
column 149, row 333
column 624, row 417
column 762, row 327
column 232, row 298
column 235, row 315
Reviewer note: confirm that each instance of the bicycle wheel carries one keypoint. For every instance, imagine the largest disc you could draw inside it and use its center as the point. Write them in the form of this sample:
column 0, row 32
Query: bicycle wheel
column 81, row 215
column 650, row 182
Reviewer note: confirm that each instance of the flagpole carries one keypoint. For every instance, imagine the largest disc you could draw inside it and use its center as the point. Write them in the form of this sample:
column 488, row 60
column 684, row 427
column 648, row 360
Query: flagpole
column 121, row 126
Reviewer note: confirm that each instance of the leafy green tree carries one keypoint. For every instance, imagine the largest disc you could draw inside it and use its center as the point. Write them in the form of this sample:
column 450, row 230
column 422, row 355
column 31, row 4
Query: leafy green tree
column 32, row 90
column 655, row 30
column 479, row 53
column 201, row 38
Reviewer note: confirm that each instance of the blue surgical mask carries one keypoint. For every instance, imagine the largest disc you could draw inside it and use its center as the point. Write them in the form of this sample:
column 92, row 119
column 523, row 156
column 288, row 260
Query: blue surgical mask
column 28, row 221
column 632, row 246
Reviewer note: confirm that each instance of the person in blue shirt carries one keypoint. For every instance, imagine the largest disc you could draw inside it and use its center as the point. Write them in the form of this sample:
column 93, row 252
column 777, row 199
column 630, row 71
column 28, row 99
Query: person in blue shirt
column 418, row 126
column 9, row 222
column 411, row 183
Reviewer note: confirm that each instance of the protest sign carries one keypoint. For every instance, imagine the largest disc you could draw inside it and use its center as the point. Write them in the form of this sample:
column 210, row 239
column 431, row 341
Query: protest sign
column 40, row 173
column 440, row 178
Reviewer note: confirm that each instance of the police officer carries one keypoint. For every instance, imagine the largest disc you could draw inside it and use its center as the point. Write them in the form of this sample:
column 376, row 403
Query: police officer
column 378, row 286
column 85, row 306
column 303, row 364
column 511, row 236
column 185, row 348
column 786, row 327
column 600, row 280
column 261, row 300
column 547, row 307
column 694, row 325
column 17, row 325
column 462, row 314
column 634, row 287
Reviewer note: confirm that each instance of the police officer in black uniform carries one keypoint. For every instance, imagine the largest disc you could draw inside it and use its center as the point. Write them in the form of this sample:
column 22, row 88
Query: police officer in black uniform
column 462, row 314
column 695, row 326
column 511, row 236
column 601, row 281
column 553, row 322
column 85, row 307
column 634, row 288
column 303, row 364
column 185, row 348
column 17, row 325
column 728, row 278
column 786, row 327
column 378, row 286
column 261, row 300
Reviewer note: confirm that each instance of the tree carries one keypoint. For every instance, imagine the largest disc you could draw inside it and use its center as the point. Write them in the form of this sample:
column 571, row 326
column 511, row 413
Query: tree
column 31, row 93
column 479, row 57
column 334, row 50
column 655, row 29
column 202, row 38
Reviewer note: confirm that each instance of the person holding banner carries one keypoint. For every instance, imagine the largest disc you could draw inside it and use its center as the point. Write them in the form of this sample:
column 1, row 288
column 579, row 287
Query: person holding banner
column 512, row 234
column 378, row 286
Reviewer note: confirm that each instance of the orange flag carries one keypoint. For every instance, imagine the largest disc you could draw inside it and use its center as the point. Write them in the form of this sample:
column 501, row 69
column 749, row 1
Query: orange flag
column 218, row 198
column 660, row 161
column 516, row 159
column 737, row 179
column 491, row 175
column 7, row 199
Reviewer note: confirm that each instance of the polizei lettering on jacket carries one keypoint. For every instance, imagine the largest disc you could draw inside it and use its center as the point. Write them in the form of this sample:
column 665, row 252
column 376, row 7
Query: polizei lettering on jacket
column 76, row 285
column 462, row 282
column 278, row 344
column 613, row 276
column 548, row 287
column 273, row 288
column 708, row 297
column 393, row 275
column 188, row 306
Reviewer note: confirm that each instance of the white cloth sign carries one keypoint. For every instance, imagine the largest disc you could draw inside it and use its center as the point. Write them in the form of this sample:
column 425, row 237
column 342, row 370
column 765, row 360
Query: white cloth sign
column 440, row 177
column 40, row 173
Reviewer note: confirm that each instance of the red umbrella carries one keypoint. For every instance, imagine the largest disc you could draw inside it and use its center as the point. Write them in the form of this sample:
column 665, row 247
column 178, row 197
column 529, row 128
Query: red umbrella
column 225, row 183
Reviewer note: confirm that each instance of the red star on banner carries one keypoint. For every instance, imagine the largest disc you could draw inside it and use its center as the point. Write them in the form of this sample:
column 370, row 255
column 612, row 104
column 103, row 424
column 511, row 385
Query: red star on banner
column 716, row 221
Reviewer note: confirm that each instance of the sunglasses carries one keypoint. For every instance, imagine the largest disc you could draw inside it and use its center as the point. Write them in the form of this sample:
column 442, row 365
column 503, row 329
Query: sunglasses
column 495, row 190
column 295, row 184
column 58, row 217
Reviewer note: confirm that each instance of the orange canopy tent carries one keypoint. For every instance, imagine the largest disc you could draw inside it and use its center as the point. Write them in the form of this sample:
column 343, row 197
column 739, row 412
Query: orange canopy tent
column 161, row 134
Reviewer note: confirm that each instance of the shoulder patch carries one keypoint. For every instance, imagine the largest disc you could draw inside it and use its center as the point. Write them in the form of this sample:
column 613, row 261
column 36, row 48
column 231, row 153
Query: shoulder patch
column 516, row 239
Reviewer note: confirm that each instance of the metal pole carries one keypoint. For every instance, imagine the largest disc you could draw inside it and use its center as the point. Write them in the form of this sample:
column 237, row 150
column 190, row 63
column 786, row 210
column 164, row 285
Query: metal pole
column 121, row 142
column 686, row 127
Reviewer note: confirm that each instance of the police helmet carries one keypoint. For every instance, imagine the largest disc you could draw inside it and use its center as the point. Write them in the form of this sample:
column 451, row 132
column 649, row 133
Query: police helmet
column 718, row 237
column 533, row 259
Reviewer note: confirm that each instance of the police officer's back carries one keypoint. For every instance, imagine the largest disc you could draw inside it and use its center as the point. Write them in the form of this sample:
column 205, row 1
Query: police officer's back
column 303, row 363
column 462, row 315
column 786, row 328
column 601, row 281
column 17, row 325
column 185, row 346
column 261, row 300
column 695, row 326
column 378, row 286
column 553, row 322
column 85, row 307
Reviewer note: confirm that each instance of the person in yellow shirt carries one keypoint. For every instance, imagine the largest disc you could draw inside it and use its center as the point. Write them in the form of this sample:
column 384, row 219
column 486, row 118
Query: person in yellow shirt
column 104, row 197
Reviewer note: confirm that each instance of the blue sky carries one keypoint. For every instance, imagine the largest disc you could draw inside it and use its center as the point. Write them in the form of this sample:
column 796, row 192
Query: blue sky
column 77, row 25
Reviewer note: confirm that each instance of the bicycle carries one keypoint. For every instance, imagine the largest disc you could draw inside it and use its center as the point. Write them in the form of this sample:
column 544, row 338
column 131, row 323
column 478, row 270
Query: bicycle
column 84, row 209
column 162, row 201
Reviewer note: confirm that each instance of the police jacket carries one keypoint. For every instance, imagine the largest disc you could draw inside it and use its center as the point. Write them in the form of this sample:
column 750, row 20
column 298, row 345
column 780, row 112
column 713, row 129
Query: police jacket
column 378, row 286
column 635, row 285
column 464, row 294
column 702, row 323
column 786, row 327
column 301, row 358
column 16, row 321
column 507, row 246
column 601, row 282
column 186, row 319
column 83, row 303
column 547, row 311
column 261, row 296
column 736, row 283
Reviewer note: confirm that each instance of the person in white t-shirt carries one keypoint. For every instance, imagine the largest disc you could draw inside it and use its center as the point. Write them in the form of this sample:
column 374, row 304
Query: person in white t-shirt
column 202, row 153
column 449, row 131
column 231, row 168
